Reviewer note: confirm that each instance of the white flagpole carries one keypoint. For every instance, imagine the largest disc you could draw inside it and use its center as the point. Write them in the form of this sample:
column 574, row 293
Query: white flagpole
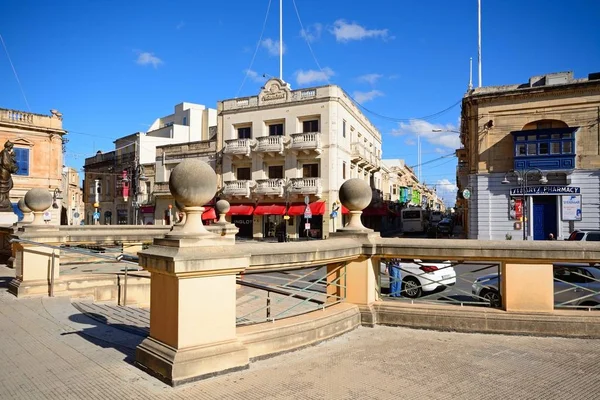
column 479, row 39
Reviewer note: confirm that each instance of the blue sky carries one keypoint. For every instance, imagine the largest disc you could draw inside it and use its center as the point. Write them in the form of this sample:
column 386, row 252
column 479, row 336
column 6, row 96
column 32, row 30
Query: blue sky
column 112, row 67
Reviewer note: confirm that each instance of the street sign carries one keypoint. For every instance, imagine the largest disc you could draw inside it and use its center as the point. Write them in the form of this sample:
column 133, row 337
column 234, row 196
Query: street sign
column 466, row 194
column 334, row 214
column 47, row 216
column 307, row 213
column 307, row 226
column 96, row 215
column 306, row 200
column 76, row 215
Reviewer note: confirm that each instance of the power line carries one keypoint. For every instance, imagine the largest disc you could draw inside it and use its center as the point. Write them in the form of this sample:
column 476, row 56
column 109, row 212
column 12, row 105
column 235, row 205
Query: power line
column 15, row 72
column 435, row 159
column 262, row 32
column 308, row 43
column 393, row 119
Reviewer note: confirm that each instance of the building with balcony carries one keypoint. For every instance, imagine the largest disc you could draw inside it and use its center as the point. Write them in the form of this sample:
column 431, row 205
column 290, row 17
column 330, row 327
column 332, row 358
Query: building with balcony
column 126, row 175
column 71, row 197
column 530, row 158
column 284, row 147
column 38, row 145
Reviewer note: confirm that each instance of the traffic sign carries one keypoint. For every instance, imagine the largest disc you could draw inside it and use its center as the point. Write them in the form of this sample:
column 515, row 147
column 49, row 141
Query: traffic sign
column 466, row 194
column 334, row 214
column 96, row 215
column 76, row 215
column 306, row 200
column 307, row 213
column 307, row 226
column 47, row 216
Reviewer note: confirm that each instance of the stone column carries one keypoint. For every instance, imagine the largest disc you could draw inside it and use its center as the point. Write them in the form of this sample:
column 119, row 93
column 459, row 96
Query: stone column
column 527, row 287
column 193, row 290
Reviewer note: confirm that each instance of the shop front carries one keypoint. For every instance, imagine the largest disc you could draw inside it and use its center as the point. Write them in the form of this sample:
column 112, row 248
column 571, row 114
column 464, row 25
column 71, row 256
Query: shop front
column 273, row 223
column 241, row 217
column 147, row 215
column 309, row 219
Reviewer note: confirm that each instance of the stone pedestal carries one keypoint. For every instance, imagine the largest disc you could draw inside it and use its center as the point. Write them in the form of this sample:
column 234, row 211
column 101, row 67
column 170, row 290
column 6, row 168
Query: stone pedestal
column 37, row 268
column 527, row 287
column 192, row 311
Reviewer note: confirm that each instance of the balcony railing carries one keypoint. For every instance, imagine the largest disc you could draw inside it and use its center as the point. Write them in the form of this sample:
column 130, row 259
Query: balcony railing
column 238, row 188
column 363, row 157
column 239, row 146
column 270, row 187
column 306, row 141
column 304, row 186
column 271, row 144
column 161, row 188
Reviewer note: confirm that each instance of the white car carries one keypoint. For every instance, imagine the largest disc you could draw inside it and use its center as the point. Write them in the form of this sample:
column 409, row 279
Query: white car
column 574, row 285
column 423, row 277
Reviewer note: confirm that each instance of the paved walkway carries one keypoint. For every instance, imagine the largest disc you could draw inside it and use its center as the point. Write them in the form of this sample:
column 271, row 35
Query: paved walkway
column 49, row 350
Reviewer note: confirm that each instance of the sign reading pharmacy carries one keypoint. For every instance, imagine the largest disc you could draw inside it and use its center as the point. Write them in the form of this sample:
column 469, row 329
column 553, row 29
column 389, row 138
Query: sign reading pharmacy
column 546, row 190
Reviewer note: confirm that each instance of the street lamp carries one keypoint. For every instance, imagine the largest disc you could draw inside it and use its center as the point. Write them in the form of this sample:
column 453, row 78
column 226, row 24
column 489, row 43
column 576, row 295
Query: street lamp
column 522, row 177
column 133, row 184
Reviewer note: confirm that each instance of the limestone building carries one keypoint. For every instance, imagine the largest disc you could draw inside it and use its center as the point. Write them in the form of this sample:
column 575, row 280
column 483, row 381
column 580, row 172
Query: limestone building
column 284, row 147
column 38, row 145
column 531, row 158
column 71, row 197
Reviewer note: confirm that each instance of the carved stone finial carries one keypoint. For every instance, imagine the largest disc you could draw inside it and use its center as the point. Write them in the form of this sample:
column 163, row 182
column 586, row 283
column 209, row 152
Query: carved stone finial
column 38, row 200
column 355, row 194
column 193, row 183
column 222, row 208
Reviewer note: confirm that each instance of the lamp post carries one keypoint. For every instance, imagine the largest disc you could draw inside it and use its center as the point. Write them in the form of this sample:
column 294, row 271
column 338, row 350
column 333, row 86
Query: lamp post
column 137, row 175
column 522, row 180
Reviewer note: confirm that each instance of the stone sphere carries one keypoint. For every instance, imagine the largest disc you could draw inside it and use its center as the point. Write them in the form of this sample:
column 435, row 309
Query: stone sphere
column 355, row 194
column 38, row 199
column 193, row 183
column 222, row 207
column 23, row 207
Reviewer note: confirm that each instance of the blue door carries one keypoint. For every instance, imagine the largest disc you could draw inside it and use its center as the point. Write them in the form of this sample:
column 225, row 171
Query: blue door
column 544, row 217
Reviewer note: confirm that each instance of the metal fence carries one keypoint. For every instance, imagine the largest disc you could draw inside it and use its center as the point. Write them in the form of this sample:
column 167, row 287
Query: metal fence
column 577, row 286
column 276, row 295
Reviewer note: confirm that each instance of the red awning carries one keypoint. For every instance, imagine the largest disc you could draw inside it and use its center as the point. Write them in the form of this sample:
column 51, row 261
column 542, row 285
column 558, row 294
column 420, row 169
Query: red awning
column 345, row 210
column 316, row 208
column 240, row 209
column 270, row 209
column 209, row 213
column 375, row 212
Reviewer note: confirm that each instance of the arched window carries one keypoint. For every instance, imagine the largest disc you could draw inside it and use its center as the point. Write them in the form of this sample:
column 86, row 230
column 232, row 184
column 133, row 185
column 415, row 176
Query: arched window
column 545, row 124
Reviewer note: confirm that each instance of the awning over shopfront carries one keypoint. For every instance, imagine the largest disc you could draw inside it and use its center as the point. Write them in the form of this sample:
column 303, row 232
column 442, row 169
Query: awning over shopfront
column 270, row 209
column 209, row 213
column 375, row 211
column 147, row 209
column 345, row 210
column 241, row 209
column 316, row 208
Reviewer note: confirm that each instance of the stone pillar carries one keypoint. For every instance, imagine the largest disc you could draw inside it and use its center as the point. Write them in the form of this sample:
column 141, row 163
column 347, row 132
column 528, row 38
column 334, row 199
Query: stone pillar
column 193, row 291
column 336, row 282
column 527, row 287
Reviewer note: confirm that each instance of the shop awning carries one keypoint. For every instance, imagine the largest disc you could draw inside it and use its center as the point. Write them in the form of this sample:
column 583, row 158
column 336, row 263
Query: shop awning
column 209, row 213
column 316, row 208
column 240, row 209
column 345, row 210
column 375, row 212
column 270, row 209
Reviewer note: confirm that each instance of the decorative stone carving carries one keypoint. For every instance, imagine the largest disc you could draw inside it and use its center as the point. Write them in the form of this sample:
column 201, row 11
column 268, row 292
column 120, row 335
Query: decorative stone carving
column 222, row 208
column 38, row 200
column 8, row 166
column 355, row 194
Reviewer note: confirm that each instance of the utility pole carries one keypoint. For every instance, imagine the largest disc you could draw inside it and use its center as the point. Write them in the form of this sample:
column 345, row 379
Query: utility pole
column 479, row 40
column 281, row 39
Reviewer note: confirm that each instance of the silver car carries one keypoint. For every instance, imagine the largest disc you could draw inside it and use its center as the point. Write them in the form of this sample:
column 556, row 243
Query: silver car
column 575, row 285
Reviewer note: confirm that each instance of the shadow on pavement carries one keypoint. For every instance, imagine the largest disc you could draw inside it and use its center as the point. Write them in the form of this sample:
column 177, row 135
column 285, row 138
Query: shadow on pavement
column 109, row 336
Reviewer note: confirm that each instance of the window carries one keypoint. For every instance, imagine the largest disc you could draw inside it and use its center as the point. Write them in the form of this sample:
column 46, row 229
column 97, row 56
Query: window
column 184, row 121
column 531, row 149
column 276, row 172
column 555, row 148
column 593, row 237
column 276, row 130
column 310, row 126
column 567, row 148
column 520, row 150
column 245, row 132
column 310, row 171
column 22, row 158
column 544, row 148
column 344, row 168
column 344, row 128
column 243, row 174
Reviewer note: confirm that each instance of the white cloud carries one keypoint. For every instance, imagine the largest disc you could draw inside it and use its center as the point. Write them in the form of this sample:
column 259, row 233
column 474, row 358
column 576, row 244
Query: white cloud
column 440, row 150
column 312, row 32
column 410, row 142
column 446, row 138
column 180, row 25
column 312, row 76
column 444, row 185
column 369, row 78
column 254, row 76
column 272, row 46
column 363, row 97
column 344, row 31
column 145, row 58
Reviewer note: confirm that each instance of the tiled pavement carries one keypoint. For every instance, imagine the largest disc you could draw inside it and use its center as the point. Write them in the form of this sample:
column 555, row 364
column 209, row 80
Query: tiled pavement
column 51, row 351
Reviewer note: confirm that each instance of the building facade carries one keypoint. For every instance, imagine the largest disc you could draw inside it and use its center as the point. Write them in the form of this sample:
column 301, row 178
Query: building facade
column 283, row 149
column 38, row 138
column 71, row 198
column 119, row 184
column 530, row 160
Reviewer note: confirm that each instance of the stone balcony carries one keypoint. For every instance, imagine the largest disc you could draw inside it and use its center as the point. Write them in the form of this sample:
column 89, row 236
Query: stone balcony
column 270, row 187
column 161, row 189
column 306, row 186
column 306, row 142
column 21, row 118
column 240, row 147
column 271, row 144
column 364, row 157
column 238, row 188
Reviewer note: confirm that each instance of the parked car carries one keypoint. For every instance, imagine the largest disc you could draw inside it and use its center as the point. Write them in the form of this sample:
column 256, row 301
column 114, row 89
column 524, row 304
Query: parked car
column 445, row 226
column 588, row 236
column 422, row 277
column 574, row 285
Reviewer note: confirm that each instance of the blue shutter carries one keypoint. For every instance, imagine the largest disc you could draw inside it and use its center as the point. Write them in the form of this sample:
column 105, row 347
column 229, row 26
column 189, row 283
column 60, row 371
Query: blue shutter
column 22, row 156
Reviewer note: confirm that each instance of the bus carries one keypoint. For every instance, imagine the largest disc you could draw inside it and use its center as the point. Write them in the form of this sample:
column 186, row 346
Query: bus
column 414, row 220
